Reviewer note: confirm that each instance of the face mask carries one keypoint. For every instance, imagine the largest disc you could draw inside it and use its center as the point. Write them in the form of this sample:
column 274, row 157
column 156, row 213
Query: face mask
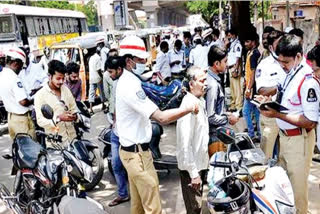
column 140, row 68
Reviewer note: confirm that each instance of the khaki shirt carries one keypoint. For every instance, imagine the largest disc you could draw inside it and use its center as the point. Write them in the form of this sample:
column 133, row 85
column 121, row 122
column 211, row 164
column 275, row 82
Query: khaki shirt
column 47, row 96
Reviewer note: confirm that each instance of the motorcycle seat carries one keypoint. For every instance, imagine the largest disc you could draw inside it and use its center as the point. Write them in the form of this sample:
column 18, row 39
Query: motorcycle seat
column 26, row 152
column 168, row 90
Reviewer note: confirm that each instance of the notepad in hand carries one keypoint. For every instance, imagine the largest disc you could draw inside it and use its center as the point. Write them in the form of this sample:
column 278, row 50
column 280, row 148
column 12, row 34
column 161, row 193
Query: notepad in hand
column 272, row 104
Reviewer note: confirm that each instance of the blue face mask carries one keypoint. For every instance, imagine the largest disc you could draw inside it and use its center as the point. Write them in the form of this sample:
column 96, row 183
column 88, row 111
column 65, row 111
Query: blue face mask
column 140, row 68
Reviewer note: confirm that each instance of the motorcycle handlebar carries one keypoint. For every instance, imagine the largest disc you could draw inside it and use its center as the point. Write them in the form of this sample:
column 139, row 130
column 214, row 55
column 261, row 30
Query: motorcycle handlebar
column 56, row 138
column 221, row 164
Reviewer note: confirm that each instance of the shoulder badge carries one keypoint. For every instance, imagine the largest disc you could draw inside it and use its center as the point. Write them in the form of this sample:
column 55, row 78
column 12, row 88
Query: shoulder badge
column 312, row 97
column 19, row 84
column 258, row 73
column 238, row 49
column 141, row 95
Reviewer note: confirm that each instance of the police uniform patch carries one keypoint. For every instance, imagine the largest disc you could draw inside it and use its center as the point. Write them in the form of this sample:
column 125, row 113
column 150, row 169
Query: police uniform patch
column 312, row 97
column 141, row 95
column 258, row 73
column 238, row 49
column 19, row 84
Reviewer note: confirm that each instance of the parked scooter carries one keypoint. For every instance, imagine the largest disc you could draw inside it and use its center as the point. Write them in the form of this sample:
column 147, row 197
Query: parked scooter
column 238, row 185
column 160, row 161
column 44, row 176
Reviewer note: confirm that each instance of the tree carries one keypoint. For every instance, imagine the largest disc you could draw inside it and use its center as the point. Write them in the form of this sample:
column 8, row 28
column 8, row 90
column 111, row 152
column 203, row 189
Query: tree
column 90, row 10
column 207, row 8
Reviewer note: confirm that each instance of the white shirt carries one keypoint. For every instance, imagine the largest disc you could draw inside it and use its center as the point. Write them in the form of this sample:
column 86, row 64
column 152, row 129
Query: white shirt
column 174, row 56
column 307, row 105
column 193, row 138
column 199, row 56
column 94, row 67
column 133, row 110
column 33, row 77
column 218, row 43
column 12, row 92
column 44, row 62
column 269, row 73
column 104, row 55
column 234, row 52
column 162, row 64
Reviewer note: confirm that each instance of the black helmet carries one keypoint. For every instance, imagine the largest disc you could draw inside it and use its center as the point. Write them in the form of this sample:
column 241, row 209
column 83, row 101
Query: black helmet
column 235, row 197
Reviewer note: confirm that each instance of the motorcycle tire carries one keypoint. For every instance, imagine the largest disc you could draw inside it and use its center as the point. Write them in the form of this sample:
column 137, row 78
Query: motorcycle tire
column 98, row 169
column 11, row 204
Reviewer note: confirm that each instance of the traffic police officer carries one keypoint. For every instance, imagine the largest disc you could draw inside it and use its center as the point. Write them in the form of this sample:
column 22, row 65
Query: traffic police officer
column 299, row 93
column 268, row 75
column 133, row 112
column 14, row 95
column 234, row 67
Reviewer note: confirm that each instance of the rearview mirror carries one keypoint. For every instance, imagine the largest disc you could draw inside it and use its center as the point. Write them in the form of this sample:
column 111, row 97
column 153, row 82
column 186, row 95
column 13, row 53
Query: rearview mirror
column 47, row 111
column 226, row 135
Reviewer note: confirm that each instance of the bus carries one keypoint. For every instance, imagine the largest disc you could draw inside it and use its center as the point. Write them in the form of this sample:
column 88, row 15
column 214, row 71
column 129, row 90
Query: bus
column 38, row 27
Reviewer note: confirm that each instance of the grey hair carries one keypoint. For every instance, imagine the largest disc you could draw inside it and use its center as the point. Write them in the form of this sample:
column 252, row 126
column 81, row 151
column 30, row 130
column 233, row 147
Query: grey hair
column 192, row 72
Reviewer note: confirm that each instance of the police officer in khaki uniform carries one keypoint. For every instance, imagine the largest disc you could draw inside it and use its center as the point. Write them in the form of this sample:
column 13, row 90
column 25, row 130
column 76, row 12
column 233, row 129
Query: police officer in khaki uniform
column 133, row 113
column 14, row 95
column 234, row 69
column 269, row 75
column 299, row 93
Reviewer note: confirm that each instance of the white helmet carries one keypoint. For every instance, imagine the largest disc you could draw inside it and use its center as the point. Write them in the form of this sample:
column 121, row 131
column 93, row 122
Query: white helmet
column 16, row 53
column 100, row 39
column 133, row 45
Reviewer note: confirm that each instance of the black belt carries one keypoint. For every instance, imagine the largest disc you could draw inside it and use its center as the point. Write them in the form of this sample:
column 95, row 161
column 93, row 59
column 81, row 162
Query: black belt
column 135, row 147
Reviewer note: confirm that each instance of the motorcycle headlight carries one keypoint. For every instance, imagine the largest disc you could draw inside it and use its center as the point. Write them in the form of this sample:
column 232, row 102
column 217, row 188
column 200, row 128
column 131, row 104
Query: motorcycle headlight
column 285, row 208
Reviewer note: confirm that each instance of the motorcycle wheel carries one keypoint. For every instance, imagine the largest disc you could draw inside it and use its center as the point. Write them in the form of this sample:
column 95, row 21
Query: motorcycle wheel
column 98, row 168
column 11, row 204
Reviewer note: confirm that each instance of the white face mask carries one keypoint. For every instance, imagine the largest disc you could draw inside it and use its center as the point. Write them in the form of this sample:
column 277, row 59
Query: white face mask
column 140, row 68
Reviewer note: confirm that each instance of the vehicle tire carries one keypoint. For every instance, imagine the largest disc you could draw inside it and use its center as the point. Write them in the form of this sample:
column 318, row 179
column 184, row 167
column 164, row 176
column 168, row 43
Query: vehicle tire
column 11, row 203
column 98, row 168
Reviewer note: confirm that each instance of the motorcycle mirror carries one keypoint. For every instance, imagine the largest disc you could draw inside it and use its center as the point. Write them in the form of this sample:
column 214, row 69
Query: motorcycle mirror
column 226, row 135
column 47, row 111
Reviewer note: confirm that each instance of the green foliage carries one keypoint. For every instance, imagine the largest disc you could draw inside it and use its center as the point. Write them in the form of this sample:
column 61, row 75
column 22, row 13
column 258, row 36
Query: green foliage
column 266, row 7
column 206, row 8
column 54, row 4
column 90, row 10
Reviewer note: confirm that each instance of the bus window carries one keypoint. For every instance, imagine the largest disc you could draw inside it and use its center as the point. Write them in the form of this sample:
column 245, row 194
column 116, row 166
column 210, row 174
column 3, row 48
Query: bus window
column 76, row 26
column 37, row 26
column 52, row 25
column 57, row 25
column 61, row 26
column 45, row 26
column 30, row 26
column 84, row 27
column 6, row 25
column 70, row 22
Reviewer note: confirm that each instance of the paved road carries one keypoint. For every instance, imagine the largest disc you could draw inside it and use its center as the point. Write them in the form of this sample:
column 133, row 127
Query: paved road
column 170, row 190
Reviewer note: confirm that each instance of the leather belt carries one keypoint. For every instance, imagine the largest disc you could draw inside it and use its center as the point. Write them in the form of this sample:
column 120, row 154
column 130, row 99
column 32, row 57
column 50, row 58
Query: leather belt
column 135, row 147
column 293, row 132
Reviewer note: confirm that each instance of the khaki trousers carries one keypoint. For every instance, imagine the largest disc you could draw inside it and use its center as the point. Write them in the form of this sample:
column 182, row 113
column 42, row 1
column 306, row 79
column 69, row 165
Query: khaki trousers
column 143, row 180
column 236, row 92
column 296, row 156
column 269, row 132
column 20, row 124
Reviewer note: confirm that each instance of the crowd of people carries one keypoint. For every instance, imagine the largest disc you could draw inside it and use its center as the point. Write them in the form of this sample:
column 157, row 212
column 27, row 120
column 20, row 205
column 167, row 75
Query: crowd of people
column 279, row 70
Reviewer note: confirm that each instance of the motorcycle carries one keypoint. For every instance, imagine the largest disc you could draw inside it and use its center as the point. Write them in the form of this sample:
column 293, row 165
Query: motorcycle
column 160, row 161
column 3, row 114
column 90, row 152
column 43, row 176
column 243, row 181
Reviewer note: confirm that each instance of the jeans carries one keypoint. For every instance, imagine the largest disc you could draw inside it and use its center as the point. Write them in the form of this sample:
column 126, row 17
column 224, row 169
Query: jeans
column 119, row 171
column 248, row 110
column 92, row 92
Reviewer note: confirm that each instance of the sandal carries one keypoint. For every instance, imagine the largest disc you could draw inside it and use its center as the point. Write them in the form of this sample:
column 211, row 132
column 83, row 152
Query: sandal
column 118, row 200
